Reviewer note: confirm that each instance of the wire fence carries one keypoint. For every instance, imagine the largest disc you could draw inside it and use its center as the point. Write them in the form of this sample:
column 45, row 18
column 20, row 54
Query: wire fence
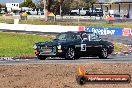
column 97, row 19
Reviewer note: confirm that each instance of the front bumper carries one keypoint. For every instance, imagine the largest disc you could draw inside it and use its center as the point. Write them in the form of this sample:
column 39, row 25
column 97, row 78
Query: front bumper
column 53, row 54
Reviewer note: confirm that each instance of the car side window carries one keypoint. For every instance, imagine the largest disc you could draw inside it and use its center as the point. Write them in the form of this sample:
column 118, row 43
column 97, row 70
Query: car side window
column 94, row 37
column 71, row 36
column 85, row 36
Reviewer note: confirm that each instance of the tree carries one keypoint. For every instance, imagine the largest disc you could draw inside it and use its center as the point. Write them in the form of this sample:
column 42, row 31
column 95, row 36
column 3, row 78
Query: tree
column 2, row 6
column 50, row 4
column 54, row 5
column 66, row 5
column 82, row 3
column 90, row 2
column 28, row 3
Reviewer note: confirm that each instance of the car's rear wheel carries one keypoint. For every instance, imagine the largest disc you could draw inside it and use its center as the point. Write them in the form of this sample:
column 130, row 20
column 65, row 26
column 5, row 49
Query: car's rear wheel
column 70, row 54
column 40, row 57
column 104, row 54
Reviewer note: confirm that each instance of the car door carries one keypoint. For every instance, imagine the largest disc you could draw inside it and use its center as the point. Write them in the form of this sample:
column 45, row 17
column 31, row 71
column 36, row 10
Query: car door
column 88, row 44
column 83, row 45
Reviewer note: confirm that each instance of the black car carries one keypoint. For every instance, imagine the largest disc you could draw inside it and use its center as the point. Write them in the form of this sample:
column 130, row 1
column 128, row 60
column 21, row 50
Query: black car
column 73, row 45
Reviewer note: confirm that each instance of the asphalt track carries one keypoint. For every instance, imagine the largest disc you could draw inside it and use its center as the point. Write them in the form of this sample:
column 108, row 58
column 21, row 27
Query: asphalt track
column 111, row 59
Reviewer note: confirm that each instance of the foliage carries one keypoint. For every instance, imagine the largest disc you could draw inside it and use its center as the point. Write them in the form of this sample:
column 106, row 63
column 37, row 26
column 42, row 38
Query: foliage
column 89, row 2
column 2, row 6
column 28, row 3
column 66, row 6
column 78, row 4
column 120, row 47
column 54, row 5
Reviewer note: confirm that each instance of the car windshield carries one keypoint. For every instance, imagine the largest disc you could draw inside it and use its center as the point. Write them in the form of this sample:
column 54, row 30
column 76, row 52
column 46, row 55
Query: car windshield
column 66, row 36
column 61, row 37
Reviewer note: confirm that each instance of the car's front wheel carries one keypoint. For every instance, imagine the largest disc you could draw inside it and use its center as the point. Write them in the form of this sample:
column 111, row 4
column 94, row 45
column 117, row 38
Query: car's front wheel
column 40, row 57
column 70, row 54
column 104, row 54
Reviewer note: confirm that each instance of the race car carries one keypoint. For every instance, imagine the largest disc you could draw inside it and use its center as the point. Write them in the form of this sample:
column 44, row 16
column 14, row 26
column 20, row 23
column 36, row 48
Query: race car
column 73, row 45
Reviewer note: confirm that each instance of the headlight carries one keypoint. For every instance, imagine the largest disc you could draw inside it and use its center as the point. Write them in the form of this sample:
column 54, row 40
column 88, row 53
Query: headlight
column 35, row 46
column 59, row 46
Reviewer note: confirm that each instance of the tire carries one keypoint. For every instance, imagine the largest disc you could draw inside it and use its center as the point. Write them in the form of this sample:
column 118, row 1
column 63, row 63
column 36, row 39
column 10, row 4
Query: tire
column 104, row 54
column 81, row 80
column 41, row 57
column 70, row 54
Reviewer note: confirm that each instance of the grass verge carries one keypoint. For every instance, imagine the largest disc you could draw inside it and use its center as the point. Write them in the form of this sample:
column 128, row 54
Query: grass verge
column 13, row 44
column 90, row 23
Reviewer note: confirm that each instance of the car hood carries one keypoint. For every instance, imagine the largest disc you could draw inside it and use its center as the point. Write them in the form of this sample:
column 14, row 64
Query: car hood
column 51, row 43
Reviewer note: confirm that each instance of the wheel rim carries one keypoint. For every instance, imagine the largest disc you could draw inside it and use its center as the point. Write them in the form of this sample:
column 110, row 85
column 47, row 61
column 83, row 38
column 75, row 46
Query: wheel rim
column 104, row 52
column 71, row 53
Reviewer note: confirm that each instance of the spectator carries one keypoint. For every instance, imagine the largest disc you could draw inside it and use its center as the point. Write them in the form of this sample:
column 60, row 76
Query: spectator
column 23, row 16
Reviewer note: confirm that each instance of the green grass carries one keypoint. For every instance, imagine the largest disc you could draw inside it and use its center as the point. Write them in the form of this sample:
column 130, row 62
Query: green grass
column 13, row 44
column 120, row 47
column 9, row 21
column 92, row 23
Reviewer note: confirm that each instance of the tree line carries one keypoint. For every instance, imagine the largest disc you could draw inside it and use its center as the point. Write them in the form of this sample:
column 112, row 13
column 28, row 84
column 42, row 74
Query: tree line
column 66, row 5
column 54, row 5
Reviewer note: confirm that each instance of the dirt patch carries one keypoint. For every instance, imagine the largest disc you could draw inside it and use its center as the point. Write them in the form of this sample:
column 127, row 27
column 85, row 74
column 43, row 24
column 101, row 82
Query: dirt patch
column 57, row 76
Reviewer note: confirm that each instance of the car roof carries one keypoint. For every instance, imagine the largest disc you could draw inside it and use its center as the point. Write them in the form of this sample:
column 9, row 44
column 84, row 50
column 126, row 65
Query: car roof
column 78, row 32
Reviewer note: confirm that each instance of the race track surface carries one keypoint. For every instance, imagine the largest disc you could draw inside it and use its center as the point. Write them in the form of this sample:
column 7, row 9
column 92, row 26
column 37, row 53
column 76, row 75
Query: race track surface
column 111, row 59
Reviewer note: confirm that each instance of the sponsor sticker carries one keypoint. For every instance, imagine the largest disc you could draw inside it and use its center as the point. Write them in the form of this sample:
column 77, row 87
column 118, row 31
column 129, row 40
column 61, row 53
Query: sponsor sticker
column 126, row 32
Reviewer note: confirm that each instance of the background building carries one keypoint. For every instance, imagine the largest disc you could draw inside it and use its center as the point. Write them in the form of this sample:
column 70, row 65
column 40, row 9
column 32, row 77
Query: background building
column 116, row 7
column 13, row 7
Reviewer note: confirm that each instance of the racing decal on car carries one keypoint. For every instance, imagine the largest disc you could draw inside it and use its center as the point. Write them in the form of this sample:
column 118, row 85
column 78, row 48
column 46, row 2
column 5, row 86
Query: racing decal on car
column 83, row 47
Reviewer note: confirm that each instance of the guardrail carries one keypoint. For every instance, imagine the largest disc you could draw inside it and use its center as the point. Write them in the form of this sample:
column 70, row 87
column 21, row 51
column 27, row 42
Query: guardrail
column 60, row 28
column 38, row 28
